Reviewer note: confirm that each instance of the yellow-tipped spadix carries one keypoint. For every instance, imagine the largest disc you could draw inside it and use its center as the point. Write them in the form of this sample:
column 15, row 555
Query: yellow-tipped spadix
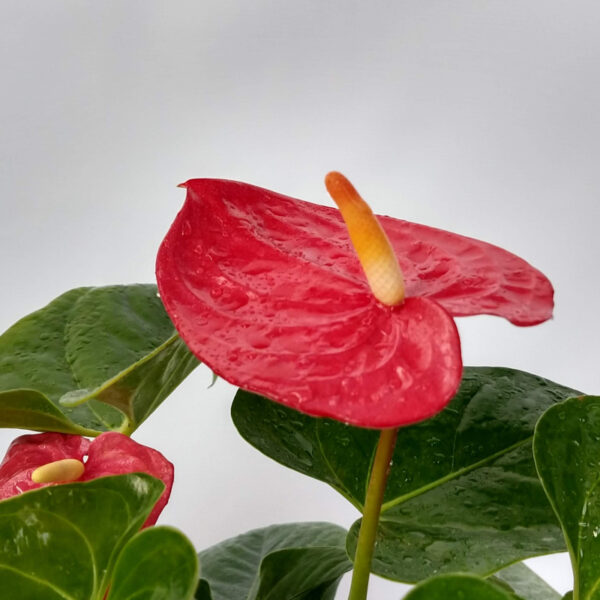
column 67, row 469
column 372, row 246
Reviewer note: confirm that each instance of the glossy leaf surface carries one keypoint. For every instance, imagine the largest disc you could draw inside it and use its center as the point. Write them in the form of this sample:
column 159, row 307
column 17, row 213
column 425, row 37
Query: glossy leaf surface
column 526, row 583
column 298, row 561
column 62, row 541
column 268, row 292
column 567, row 455
column 158, row 563
column 465, row 587
column 93, row 360
column 462, row 494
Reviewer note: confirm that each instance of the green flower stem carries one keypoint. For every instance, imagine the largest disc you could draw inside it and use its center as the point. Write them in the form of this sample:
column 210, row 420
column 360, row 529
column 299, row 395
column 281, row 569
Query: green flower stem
column 368, row 528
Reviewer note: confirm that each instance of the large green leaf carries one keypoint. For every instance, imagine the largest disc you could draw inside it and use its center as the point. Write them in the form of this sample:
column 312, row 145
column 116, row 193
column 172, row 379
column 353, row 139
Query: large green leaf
column 465, row 587
column 299, row 561
column 158, row 563
column 463, row 493
column 567, row 454
column 60, row 542
column 93, row 360
column 526, row 583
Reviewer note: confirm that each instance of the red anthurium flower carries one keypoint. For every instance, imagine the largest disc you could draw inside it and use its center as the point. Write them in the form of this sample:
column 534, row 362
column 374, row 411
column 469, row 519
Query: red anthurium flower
column 268, row 292
column 36, row 460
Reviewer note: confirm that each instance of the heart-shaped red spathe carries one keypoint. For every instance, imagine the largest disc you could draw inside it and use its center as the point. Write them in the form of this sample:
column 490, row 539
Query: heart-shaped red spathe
column 268, row 292
column 110, row 453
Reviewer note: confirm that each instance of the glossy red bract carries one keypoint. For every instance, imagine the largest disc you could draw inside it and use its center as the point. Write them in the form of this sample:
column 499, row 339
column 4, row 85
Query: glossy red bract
column 268, row 292
column 110, row 453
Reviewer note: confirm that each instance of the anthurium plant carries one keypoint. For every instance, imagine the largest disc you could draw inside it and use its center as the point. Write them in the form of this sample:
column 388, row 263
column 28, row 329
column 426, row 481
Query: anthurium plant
column 337, row 326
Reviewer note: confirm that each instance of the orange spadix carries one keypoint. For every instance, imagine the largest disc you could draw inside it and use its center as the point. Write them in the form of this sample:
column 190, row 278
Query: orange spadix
column 372, row 246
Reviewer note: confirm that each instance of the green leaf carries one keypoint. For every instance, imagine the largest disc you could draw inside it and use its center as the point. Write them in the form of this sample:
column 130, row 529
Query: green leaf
column 463, row 493
column 526, row 583
column 299, row 561
column 60, row 542
column 159, row 563
column 465, row 587
column 203, row 591
column 567, row 454
column 93, row 360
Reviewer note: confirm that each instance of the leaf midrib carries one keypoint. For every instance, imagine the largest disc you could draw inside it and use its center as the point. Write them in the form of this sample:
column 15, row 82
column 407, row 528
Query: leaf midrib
column 342, row 487
column 93, row 395
column 453, row 475
column 112, row 380
column 43, row 582
column 86, row 541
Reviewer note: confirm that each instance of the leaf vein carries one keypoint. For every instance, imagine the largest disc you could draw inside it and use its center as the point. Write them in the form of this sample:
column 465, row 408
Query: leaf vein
column 453, row 475
column 44, row 582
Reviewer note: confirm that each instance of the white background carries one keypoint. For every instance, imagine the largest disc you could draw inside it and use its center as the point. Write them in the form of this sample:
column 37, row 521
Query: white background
column 481, row 117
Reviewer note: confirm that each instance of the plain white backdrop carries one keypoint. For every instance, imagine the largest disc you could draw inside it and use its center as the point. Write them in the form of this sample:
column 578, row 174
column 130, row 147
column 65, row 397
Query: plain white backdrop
column 479, row 117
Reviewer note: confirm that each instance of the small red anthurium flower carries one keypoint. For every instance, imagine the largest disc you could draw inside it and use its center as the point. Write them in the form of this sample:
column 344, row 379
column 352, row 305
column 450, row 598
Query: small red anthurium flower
column 36, row 460
column 334, row 313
